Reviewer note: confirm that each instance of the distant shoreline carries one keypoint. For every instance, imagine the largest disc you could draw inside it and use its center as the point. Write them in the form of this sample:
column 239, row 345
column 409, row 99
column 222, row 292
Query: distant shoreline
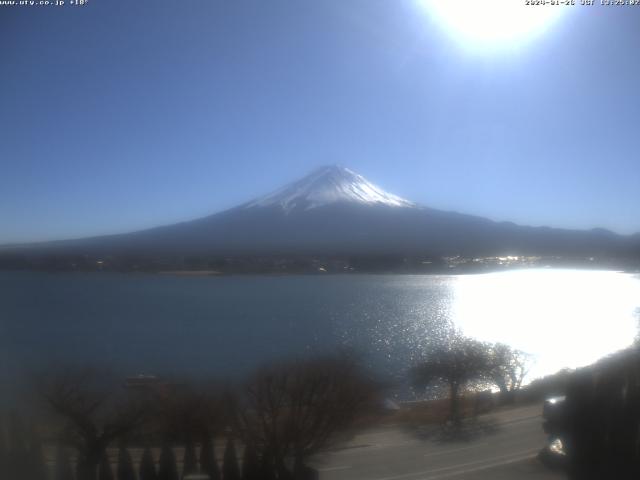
column 443, row 272
column 188, row 273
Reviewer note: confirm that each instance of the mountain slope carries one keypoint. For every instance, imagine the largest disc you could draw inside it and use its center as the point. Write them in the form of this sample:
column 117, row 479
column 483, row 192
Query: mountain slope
column 334, row 211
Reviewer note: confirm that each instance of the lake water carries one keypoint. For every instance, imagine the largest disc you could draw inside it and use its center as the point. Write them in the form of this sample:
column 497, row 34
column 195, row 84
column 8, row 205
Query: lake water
column 225, row 326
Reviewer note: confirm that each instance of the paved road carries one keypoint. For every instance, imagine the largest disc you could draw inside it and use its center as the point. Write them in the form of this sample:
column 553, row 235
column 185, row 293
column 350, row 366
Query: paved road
column 392, row 453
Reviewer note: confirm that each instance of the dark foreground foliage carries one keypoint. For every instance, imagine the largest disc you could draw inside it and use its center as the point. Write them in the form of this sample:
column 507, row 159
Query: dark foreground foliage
column 102, row 428
column 603, row 419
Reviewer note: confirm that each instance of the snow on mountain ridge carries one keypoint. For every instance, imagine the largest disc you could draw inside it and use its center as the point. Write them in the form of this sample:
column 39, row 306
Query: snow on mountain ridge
column 327, row 185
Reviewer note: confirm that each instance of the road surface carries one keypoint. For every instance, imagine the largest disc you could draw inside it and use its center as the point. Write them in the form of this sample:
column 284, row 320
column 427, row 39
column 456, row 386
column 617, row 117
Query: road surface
column 507, row 452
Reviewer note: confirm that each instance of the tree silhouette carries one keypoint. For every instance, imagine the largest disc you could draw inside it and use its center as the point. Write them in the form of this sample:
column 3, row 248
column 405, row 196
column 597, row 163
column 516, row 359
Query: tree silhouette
column 508, row 367
column 293, row 410
column 36, row 465
column 189, row 412
column 62, row 470
column 104, row 469
column 267, row 466
column 457, row 362
column 147, row 466
column 230, row 470
column 190, row 461
column 95, row 415
column 167, row 469
column 250, row 464
column 208, row 462
column 125, row 465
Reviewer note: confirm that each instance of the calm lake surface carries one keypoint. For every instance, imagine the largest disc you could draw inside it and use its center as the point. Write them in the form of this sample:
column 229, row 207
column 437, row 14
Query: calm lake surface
column 227, row 325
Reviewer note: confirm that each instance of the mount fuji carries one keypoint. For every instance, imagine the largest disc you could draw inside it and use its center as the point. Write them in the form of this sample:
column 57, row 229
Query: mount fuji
column 327, row 185
column 337, row 212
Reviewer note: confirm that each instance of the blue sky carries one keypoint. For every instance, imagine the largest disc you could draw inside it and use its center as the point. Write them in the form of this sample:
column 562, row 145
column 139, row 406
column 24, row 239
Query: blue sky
column 126, row 114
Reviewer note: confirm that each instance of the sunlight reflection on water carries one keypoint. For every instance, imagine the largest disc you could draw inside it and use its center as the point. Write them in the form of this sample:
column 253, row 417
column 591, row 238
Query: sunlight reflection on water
column 565, row 318
column 227, row 326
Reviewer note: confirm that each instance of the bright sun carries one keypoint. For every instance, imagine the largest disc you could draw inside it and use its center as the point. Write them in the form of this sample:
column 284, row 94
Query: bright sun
column 492, row 21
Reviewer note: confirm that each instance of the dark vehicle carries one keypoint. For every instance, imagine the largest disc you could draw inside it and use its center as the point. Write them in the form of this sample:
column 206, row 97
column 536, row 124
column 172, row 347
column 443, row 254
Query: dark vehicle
column 554, row 415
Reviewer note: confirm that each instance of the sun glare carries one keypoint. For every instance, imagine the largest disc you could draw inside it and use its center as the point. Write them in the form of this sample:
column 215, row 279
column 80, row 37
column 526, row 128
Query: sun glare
column 565, row 318
column 495, row 22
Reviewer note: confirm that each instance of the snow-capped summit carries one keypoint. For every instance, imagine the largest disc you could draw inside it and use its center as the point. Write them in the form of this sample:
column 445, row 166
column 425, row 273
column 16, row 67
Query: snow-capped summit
column 325, row 186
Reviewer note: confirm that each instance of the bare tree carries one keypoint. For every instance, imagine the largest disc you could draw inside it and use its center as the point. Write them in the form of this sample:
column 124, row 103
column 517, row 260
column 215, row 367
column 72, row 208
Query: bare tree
column 190, row 412
column 508, row 368
column 94, row 414
column 292, row 410
column 458, row 362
